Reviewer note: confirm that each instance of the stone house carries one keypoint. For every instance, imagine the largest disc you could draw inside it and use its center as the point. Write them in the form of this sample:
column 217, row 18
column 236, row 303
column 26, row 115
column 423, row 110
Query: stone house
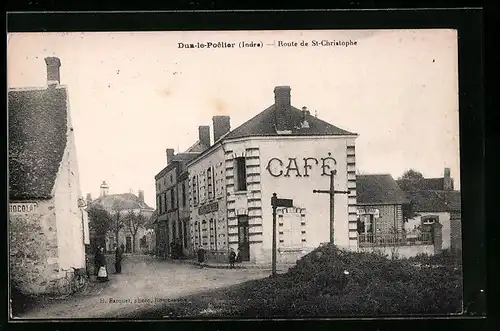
column 47, row 224
column 172, row 202
column 118, row 206
column 434, row 201
column 281, row 150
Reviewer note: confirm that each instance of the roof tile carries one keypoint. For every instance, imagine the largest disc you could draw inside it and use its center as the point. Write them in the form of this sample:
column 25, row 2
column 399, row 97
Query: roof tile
column 37, row 140
column 378, row 189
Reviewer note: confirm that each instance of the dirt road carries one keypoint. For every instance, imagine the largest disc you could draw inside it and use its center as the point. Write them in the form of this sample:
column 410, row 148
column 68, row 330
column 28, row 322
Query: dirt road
column 145, row 283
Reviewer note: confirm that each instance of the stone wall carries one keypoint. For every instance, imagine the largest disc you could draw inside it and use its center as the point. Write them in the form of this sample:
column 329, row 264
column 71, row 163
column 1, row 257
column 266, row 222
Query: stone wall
column 33, row 249
column 456, row 235
column 401, row 251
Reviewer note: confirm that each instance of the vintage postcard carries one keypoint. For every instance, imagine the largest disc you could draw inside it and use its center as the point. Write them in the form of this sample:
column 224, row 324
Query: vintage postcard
column 236, row 174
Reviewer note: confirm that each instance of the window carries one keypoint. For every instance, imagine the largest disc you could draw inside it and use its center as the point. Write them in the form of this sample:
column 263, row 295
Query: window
column 183, row 189
column 160, row 203
column 172, row 198
column 210, row 185
column 165, row 207
column 195, row 191
column 366, row 223
column 241, row 174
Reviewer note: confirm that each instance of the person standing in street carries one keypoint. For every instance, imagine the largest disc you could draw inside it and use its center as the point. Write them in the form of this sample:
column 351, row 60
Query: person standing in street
column 238, row 255
column 118, row 260
column 96, row 260
column 201, row 255
column 232, row 258
column 102, row 274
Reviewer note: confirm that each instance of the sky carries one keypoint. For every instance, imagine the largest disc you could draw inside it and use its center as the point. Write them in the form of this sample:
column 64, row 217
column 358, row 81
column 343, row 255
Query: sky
column 132, row 95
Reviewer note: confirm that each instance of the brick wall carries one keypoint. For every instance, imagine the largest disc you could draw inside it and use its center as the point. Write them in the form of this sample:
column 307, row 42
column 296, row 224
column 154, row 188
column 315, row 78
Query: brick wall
column 33, row 249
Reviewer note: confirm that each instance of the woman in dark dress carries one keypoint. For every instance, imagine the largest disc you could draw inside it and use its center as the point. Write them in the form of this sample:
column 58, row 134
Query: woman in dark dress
column 102, row 274
column 118, row 260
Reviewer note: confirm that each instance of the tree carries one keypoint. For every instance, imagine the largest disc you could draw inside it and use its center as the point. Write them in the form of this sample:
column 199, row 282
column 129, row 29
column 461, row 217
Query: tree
column 117, row 222
column 100, row 222
column 412, row 175
column 410, row 180
column 134, row 221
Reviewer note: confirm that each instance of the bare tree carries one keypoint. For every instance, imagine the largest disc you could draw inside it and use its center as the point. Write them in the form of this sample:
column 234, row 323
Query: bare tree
column 134, row 221
column 117, row 223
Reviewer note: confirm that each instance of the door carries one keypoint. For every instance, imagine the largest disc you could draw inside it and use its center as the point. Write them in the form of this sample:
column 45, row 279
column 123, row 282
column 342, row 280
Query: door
column 128, row 244
column 243, row 238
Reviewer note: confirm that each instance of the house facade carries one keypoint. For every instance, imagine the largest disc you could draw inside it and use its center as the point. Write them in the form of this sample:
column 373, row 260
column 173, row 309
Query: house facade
column 118, row 206
column 282, row 150
column 393, row 222
column 47, row 223
column 435, row 202
column 172, row 204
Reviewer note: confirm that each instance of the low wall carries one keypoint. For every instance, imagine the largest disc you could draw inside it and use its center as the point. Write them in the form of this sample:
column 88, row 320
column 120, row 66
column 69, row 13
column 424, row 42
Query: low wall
column 404, row 251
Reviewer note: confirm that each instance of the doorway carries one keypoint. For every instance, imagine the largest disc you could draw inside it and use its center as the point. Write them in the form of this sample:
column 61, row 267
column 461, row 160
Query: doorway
column 128, row 244
column 243, row 238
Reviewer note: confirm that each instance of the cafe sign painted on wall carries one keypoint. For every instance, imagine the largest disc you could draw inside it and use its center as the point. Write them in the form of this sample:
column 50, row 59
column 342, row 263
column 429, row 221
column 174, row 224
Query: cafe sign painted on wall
column 300, row 167
column 23, row 207
column 209, row 208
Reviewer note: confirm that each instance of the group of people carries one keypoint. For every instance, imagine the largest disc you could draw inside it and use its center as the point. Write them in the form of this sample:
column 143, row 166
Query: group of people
column 233, row 256
column 100, row 264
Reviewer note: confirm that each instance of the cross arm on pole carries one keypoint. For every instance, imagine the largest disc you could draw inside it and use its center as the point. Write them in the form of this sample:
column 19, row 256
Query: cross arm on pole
column 321, row 191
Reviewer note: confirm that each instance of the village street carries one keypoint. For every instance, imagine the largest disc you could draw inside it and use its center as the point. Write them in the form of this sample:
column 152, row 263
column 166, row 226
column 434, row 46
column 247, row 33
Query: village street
column 145, row 283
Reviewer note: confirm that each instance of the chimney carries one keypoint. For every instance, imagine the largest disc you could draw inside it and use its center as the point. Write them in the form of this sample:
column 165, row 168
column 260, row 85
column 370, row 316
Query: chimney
column 141, row 195
column 448, row 181
column 170, row 154
column 222, row 126
column 204, row 135
column 104, row 189
column 53, row 75
column 282, row 103
column 305, row 114
column 89, row 199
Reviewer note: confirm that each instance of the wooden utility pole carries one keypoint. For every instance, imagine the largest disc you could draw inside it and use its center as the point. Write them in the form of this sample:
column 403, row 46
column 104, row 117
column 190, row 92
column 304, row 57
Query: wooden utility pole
column 275, row 203
column 332, row 193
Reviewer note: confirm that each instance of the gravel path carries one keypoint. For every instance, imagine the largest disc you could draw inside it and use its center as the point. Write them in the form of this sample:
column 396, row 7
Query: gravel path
column 145, row 283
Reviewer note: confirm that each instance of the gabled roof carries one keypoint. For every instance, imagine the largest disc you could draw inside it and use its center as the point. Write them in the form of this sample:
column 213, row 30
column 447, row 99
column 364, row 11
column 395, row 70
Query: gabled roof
column 37, row 140
column 435, row 201
column 263, row 124
column 124, row 201
column 185, row 156
column 422, row 184
column 197, row 147
column 378, row 189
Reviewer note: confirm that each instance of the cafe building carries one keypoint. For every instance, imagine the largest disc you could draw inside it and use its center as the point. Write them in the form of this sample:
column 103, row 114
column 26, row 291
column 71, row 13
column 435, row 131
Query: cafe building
column 282, row 150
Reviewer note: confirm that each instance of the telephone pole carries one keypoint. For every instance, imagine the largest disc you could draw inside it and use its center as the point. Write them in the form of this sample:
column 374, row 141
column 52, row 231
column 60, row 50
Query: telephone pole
column 332, row 193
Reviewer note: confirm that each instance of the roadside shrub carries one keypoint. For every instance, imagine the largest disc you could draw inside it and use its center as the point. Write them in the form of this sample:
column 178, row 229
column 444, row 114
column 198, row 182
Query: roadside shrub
column 332, row 282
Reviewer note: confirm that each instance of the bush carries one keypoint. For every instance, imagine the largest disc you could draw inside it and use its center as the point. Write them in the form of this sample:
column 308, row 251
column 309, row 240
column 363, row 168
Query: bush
column 333, row 282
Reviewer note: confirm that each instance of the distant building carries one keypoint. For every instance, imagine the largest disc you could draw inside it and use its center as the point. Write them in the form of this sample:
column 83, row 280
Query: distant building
column 119, row 205
column 281, row 150
column 47, row 223
column 434, row 201
column 172, row 201
column 380, row 206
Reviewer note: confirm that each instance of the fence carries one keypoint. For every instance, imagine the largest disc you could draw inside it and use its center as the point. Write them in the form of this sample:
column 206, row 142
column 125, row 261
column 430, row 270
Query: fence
column 395, row 239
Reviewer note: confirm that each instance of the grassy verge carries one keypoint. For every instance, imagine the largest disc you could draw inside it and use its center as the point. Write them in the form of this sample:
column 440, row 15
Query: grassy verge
column 330, row 282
